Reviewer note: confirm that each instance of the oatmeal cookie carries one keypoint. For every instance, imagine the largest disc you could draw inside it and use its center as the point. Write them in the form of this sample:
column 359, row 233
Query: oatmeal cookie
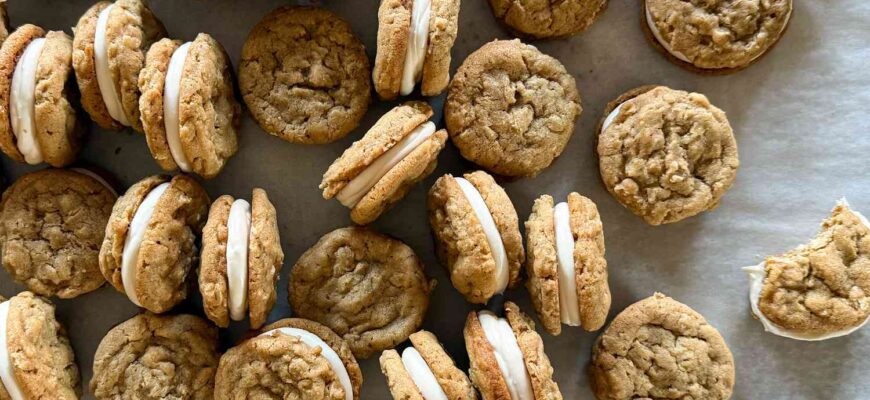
column 408, row 379
column 547, row 19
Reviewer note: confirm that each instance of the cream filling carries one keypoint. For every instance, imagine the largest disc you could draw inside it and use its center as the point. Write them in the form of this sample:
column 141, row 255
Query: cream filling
column 354, row 191
column 422, row 375
column 493, row 237
column 327, row 352
column 104, row 77
column 133, row 241
column 507, row 355
column 96, row 177
column 238, row 234
column 418, row 39
column 21, row 102
column 610, row 117
column 171, row 97
column 569, row 306
column 6, row 374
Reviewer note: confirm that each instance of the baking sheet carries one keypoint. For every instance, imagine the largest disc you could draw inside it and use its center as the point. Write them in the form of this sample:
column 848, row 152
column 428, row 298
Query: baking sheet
column 800, row 120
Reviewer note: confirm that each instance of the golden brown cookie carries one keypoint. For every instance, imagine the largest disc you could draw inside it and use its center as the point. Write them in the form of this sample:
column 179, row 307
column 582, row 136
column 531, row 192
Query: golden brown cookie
column 547, row 19
column 5, row 27
column 425, row 370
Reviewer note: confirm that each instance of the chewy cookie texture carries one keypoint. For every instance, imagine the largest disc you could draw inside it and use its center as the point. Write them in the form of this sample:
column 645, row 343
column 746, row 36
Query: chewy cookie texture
column 425, row 371
column 547, row 19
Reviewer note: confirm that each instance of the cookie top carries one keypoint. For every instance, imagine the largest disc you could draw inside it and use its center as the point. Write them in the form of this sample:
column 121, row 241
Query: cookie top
column 134, row 357
column 452, row 380
column 367, row 287
column 511, row 109
column 667, row 155
column 443, row 28
column 51, row 245
column 548, row 19
column 691, row 358
column 304, row 75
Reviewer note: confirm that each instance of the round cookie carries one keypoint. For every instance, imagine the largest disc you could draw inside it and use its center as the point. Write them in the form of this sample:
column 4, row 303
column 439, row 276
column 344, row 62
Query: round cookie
column 451, row 382
column 476, row 238
column 666, row 176
column 367, row 287
column 547, row 19
column 134, row 357
column 51, row 223
column 690, row 358
column 511, row 109
column 375, row 172
column 304, row 75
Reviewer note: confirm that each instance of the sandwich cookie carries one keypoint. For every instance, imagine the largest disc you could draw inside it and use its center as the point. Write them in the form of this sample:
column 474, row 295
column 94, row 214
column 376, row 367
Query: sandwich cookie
column 714, row 37
column 820, row 290
column 108, row 53
column 150, row 247
column 477, row 234
column 377, row 171
column 659, row 348
column 424, row 371
column 241, row 259
column 507, row 357
column 51, row 224
column 290, row 359
column 367, row 287
column 666, row 154
column 566, row 266
column 304, row 75
column 157, row 357
column 37, row 119
column 414, row 42
column 547, row 19
column 511, row 109
column 36, row 360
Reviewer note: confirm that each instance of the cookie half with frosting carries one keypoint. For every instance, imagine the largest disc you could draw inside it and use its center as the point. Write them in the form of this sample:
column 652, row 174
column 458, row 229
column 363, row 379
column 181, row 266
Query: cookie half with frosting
column 424, row 371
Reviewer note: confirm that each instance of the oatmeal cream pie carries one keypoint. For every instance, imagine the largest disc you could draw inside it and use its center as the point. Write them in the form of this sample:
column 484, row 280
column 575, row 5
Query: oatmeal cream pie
column 108, row 53
column 547, row 19
column 566, row 266
column 400, row 150
column 424, row 371
column 240, row 260
column 666, row 154
column 188, row 106
column 477, row 234
column 149, row 248
column 820, row 290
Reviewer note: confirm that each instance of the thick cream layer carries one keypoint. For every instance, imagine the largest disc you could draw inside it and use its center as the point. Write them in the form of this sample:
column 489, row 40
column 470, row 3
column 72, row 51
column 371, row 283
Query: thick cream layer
column 133, row 241
column 569, row 306
column 422, row 375
column 171, row 97
column 493, row 237
column 6, row 374
column 508, row 355
column 238, row 236
column 97, row 177
column 21, row 102
column 327, row 352
column 104, row 77
column 418, row 40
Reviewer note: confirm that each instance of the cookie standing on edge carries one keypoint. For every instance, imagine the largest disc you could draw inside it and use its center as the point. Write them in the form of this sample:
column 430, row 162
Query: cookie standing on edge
column 424, row 371
column 547, row 19
column 377, row 171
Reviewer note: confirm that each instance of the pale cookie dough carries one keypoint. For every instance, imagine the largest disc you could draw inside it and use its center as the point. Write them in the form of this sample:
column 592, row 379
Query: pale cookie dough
column 424, row 371
column 547, row 19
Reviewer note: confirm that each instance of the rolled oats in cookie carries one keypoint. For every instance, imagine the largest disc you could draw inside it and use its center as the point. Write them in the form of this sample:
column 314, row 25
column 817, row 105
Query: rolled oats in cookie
column 425, row 371
column 547, row 19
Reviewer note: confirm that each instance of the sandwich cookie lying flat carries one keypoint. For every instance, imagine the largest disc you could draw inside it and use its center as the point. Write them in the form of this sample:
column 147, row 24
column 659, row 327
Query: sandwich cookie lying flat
column 51, row 224
column 241, row 259
column 820, row 290
column 157, row 357
column 666, row 154
column 188, row 108
column 547, row 19
column 367, row 287
column 566, row 266
column 377, row 171
column 36, row 360
column 109, row 48
column 150, row 247
column 414, row 42
column 477, row 234
column 37, row 120
column 424, row 371
column 290, row 359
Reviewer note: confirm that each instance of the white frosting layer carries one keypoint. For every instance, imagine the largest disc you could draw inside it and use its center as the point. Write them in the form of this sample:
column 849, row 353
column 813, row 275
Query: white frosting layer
column 104, row 77
column 507, row 355
column 422, row 375
column 418, row 40
column 21, row 102
column 493, row 237
column 569, row 306
column 611, row 117
column 171, row 95
column 133, row 241
column 238, row 235
column 354, row 191
column 97, row 177
column 6, row 374
column 327, row 352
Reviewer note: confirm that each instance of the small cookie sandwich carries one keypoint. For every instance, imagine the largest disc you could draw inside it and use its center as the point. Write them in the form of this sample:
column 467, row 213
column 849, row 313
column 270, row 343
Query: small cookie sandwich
column 36, row 359
column 50, row 245
column 511, row 109
column 820, row 290
column 240, row 260
column 547, row 20
column 149, row 247
column 304, row 75
column 659, row 348
column 414, row 42
column 666, row 154
column 157, row 357
column 566, row 266
column 714, row 37
column 188, row 107
column 507, row 356
column 37, row 119
column 367, row 287
column 108, row 53
column 293, row 358
column 477, row 234
column 424, row 371
column 377, row 171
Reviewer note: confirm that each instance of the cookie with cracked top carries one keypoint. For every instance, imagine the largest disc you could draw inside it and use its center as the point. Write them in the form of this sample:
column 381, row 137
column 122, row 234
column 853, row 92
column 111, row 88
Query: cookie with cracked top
column 547, row 19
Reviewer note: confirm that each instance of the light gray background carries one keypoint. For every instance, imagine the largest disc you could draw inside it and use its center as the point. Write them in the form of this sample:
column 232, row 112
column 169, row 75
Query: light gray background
column 800, row 120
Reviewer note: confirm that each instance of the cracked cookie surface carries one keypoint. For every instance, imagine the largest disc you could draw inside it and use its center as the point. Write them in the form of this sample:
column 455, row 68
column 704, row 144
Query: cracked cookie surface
column 541, row 19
